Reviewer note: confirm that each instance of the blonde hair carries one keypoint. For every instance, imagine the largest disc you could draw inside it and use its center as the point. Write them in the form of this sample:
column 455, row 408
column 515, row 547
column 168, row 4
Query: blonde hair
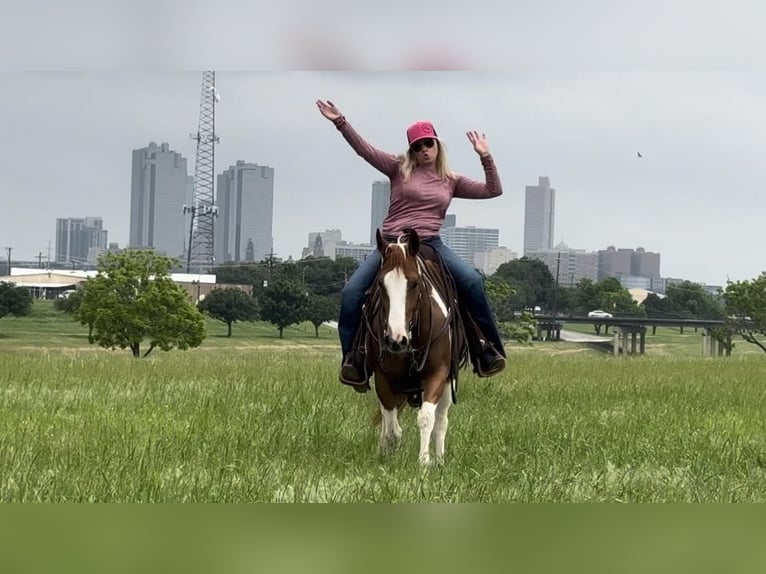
column 408, row 163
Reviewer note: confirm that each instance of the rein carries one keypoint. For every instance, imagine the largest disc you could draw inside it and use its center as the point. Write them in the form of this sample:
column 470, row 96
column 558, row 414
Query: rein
column 376, row 324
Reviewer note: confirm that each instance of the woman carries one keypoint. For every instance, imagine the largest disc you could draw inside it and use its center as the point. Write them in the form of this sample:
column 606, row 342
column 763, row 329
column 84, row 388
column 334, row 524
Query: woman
column 422, row 187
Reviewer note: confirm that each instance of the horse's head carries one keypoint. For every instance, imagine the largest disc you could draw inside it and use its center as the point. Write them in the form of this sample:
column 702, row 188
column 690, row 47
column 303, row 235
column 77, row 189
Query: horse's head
column 399, row 283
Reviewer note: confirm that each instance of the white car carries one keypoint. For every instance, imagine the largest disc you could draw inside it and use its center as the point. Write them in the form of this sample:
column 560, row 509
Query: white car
column 600, row 314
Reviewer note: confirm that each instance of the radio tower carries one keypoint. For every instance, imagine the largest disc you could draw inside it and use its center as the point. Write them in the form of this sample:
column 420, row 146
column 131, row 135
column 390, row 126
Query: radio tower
column 203, row 209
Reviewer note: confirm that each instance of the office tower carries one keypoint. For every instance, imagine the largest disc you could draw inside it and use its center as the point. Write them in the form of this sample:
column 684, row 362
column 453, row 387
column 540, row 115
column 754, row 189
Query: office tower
column 245, row 200
column 381, row 199
column 76, row 236
column 160, row 186
column 539, row 214
column 466, row 242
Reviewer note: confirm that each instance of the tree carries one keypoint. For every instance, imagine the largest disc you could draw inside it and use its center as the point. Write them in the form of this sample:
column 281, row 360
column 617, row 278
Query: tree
column 585, row 296
column 531, row 280
column 70, row 303
column 283, row 304
column 690, row 300
column 229, row 305
column 133, row 299
column 500, row 293
column 321, row 308
column 656, row 306
column 14, row 300
column 745, row 303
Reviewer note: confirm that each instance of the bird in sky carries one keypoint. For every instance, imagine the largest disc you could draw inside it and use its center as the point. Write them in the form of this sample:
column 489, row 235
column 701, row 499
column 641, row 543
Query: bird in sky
column 638, row 153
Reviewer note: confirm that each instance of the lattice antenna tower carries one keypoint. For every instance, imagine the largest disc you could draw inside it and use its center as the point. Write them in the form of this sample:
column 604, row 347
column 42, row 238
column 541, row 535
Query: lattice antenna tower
column 203, row 209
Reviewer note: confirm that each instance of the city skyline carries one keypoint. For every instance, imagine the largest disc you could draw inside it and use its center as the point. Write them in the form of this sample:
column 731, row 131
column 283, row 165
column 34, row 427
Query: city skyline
column 692, row 187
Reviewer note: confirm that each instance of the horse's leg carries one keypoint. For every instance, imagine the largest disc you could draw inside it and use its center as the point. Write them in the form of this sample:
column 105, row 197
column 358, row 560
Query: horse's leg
column 390, row 431
column 426, row 419
column 440, row 425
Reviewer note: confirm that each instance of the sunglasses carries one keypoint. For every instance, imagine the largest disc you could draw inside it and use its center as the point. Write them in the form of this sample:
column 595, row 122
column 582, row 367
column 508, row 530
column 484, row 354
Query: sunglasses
column 418, row 145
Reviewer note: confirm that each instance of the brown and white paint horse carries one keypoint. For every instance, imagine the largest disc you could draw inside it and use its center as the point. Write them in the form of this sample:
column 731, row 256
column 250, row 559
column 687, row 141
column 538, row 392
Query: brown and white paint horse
column 410, row 347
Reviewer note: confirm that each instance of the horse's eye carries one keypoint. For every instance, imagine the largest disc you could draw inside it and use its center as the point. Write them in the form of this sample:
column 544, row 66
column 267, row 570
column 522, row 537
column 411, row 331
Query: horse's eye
column 413, row 284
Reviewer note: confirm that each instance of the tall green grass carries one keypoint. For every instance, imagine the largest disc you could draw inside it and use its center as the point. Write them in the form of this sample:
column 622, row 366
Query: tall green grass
column 274, row 425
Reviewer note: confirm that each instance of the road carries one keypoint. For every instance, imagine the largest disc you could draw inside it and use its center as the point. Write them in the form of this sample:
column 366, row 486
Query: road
column 575, row 337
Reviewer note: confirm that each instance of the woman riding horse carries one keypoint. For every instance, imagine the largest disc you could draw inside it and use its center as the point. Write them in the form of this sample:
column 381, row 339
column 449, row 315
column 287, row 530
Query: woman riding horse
column 422, row 188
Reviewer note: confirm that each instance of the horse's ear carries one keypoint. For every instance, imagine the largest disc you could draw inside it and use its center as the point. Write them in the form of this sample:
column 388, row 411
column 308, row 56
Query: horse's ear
column 413, row 242
column 382, row 244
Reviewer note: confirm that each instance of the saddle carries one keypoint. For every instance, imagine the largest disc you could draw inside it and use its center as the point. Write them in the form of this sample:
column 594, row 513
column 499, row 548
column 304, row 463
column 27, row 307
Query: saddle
column 468, row 341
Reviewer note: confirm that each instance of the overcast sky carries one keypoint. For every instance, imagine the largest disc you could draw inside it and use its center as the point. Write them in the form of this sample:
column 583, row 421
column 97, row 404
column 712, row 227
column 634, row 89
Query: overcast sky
column 696, row 196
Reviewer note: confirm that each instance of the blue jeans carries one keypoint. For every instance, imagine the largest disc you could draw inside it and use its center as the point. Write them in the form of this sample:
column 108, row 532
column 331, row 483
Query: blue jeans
column 468, row 282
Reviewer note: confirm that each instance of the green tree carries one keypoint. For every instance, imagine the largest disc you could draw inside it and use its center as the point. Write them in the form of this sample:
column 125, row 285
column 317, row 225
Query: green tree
column 283, row 304
column 690, row 300
column 531, row 280
column 14, row 300
column 585, row 296
column 229, row 305
column 656, row 306
column 70, row 303
column 133, row 299
column 745, row 303
column 500, row 293
column 321, row 308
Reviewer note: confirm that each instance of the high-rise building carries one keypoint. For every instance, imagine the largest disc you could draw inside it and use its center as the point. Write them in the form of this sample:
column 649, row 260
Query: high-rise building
column 160, row 187
column 322, row 243
column 77, row 237
column 490, row 260
column 245, row 200
column 381, row 200
column 645, row 263
column 613, row 262
column 539, row 216
column 466, row 242
column 572, row 265
column 450, row 220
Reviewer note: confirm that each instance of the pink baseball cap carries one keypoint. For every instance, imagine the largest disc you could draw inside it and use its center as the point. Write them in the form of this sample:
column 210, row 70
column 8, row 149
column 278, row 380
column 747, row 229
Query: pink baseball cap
column 421, row 130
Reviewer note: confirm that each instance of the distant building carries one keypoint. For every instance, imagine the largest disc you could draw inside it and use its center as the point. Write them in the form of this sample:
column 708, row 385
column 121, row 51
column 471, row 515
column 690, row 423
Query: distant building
column 380, row 202
column 466, row 242
column 572, row 265
column 539, row 216
column 322, row 243
column 490, row 260
column 78, row 238
column 245, row 200
column 358, row 252
column 160, row 187
column 613, row 262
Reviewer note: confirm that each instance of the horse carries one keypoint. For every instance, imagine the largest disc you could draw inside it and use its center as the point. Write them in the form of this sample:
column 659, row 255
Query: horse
column 415, row 342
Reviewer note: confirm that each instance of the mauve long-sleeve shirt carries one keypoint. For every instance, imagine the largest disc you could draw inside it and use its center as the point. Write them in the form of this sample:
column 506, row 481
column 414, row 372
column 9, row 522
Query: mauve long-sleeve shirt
column 420, row 203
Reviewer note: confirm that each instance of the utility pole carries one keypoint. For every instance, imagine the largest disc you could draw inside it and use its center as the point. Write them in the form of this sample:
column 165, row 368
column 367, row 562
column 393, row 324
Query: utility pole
column 9, row 249
column 556, row 292
column 40, row 260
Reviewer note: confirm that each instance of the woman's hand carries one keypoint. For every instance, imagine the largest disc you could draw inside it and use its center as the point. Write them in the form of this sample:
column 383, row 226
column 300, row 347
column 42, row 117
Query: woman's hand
column 479, row 142
column 328, row 110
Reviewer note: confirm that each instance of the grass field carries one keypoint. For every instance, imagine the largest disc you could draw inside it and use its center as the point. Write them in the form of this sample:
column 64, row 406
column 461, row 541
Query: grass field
column 256, row 418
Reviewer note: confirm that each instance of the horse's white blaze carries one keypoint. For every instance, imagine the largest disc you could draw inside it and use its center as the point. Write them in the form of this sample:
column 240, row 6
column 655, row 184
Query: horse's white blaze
column 396, row 286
